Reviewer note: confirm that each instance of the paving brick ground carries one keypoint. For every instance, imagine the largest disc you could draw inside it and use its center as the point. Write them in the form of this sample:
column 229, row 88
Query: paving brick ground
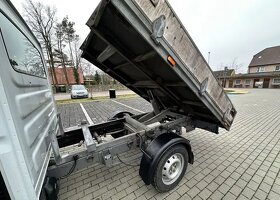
column 71, row 114
column 243, row 163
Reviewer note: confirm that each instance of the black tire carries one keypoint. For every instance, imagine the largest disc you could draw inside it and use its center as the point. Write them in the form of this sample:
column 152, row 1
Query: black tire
column 157, row 180
column 4, row 194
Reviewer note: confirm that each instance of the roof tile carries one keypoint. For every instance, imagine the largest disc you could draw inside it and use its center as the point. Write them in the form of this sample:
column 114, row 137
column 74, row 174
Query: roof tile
column 267, row 56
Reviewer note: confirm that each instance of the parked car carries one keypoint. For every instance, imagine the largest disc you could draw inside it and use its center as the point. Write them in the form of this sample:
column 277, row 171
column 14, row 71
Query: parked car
column 78, row 91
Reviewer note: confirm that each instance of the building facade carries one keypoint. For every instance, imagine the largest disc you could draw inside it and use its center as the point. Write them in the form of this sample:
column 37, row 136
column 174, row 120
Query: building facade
column 223, row 76
column 254, row 80
column 263, row 72
column 61, row 85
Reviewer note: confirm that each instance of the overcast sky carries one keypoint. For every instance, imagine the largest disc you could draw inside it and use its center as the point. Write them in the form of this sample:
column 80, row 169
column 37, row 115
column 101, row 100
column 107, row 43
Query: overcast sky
column 229, row 29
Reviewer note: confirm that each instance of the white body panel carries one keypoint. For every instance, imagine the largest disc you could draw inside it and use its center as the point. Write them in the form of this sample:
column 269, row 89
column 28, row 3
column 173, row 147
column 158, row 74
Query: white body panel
column 27, row 113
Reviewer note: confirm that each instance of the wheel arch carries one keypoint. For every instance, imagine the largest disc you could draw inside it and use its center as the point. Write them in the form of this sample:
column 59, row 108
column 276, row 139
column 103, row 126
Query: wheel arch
column 119, row 114
column 157, row 149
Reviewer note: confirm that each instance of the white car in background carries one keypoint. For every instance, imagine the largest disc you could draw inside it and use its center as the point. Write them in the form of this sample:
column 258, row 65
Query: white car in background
column 78, row 91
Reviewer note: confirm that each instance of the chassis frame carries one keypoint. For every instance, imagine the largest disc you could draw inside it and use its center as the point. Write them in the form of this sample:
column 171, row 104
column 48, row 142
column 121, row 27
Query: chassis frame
column 138, row 131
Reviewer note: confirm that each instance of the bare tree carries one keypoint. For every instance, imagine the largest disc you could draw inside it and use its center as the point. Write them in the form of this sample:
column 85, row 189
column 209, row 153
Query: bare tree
column 69, row 31
column 41, row 20
column 77, row 52
column 87, row 68
column 235, row 65
column 60, row 37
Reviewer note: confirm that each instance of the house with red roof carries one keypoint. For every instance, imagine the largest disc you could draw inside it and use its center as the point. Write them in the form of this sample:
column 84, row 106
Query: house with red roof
column 61, row 79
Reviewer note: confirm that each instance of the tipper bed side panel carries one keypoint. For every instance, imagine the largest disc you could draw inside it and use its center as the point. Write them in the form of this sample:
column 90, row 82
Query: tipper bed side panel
column 135, row 61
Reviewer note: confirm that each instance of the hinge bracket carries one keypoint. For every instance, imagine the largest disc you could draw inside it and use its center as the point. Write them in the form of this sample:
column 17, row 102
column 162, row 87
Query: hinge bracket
column 203, row 87
column 158, row 27
column 155, row 2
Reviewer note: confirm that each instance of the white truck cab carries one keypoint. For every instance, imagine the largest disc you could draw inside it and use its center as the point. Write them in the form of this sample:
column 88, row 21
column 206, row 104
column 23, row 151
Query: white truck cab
column 27, row 109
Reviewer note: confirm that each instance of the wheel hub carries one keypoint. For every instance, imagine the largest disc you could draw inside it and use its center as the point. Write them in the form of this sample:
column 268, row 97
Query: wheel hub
column 172, row 168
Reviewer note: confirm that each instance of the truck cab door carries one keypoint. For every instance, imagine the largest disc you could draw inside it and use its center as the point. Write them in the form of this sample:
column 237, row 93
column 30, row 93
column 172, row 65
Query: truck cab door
column 27, row 109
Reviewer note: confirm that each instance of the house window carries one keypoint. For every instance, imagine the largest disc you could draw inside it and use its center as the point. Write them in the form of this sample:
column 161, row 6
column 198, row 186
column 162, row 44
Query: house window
column 248, row 82
column 277, row 68
column 237, row 82
column 276, row 81
column 24, row 57
column 260, row 69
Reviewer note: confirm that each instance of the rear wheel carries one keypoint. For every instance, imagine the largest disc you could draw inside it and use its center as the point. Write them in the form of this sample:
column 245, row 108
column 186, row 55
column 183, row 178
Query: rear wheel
column 171, row 168
column 4, row 195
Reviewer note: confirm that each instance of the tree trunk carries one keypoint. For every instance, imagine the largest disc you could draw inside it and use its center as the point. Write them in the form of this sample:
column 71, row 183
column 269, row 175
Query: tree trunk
column 63, row 63
column 75, row 70
column 71, row 52
column 65, row 70
column 50, row 68
column 51, row 62
column 76, row 75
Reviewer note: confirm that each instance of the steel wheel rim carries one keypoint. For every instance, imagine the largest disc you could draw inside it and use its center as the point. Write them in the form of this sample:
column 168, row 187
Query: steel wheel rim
column 172, row 168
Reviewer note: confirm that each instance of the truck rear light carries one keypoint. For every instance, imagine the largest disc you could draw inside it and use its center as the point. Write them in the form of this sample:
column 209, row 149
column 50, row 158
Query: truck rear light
column 171, row 61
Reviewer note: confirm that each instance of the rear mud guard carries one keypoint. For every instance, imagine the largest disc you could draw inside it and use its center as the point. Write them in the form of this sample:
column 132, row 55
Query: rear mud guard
column 156, row 150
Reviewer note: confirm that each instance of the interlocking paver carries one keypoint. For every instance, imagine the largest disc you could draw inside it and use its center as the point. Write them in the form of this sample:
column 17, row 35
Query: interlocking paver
column 185, row 197
column 205, row 193
column 173, row 196
column 219, row 180
column 230, row 182
column 268, row 180
column 87, row 197
column 131, row 188
column 140, row 191
column 235, row 176
column 276, row 188
column 258, row 179
column 273, row 196
column 119, row 195
column 182, row 189
column 212, row 186
column 217, row 195
column 247, row 192
column 260, row 194
column 241, row 197
column 129, row 197
column 224, row 188
column 229, row 196
column 202, row 184
column 193, row 192
column 243, row 163
column 235, row 190
column 253, row 185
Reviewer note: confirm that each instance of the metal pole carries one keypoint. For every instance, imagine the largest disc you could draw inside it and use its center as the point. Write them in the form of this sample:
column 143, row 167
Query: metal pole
column 209, row 57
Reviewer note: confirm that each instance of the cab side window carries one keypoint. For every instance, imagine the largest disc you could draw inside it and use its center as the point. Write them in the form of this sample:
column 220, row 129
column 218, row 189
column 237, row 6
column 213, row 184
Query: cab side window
column 24, row 57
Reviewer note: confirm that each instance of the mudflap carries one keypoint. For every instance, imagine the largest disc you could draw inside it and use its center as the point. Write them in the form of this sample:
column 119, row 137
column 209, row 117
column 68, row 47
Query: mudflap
column 50, row 189
column 156, row 149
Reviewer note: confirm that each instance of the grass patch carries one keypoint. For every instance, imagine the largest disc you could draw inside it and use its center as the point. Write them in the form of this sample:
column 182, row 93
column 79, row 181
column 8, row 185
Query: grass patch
column 236, row 91
column 68, row 101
